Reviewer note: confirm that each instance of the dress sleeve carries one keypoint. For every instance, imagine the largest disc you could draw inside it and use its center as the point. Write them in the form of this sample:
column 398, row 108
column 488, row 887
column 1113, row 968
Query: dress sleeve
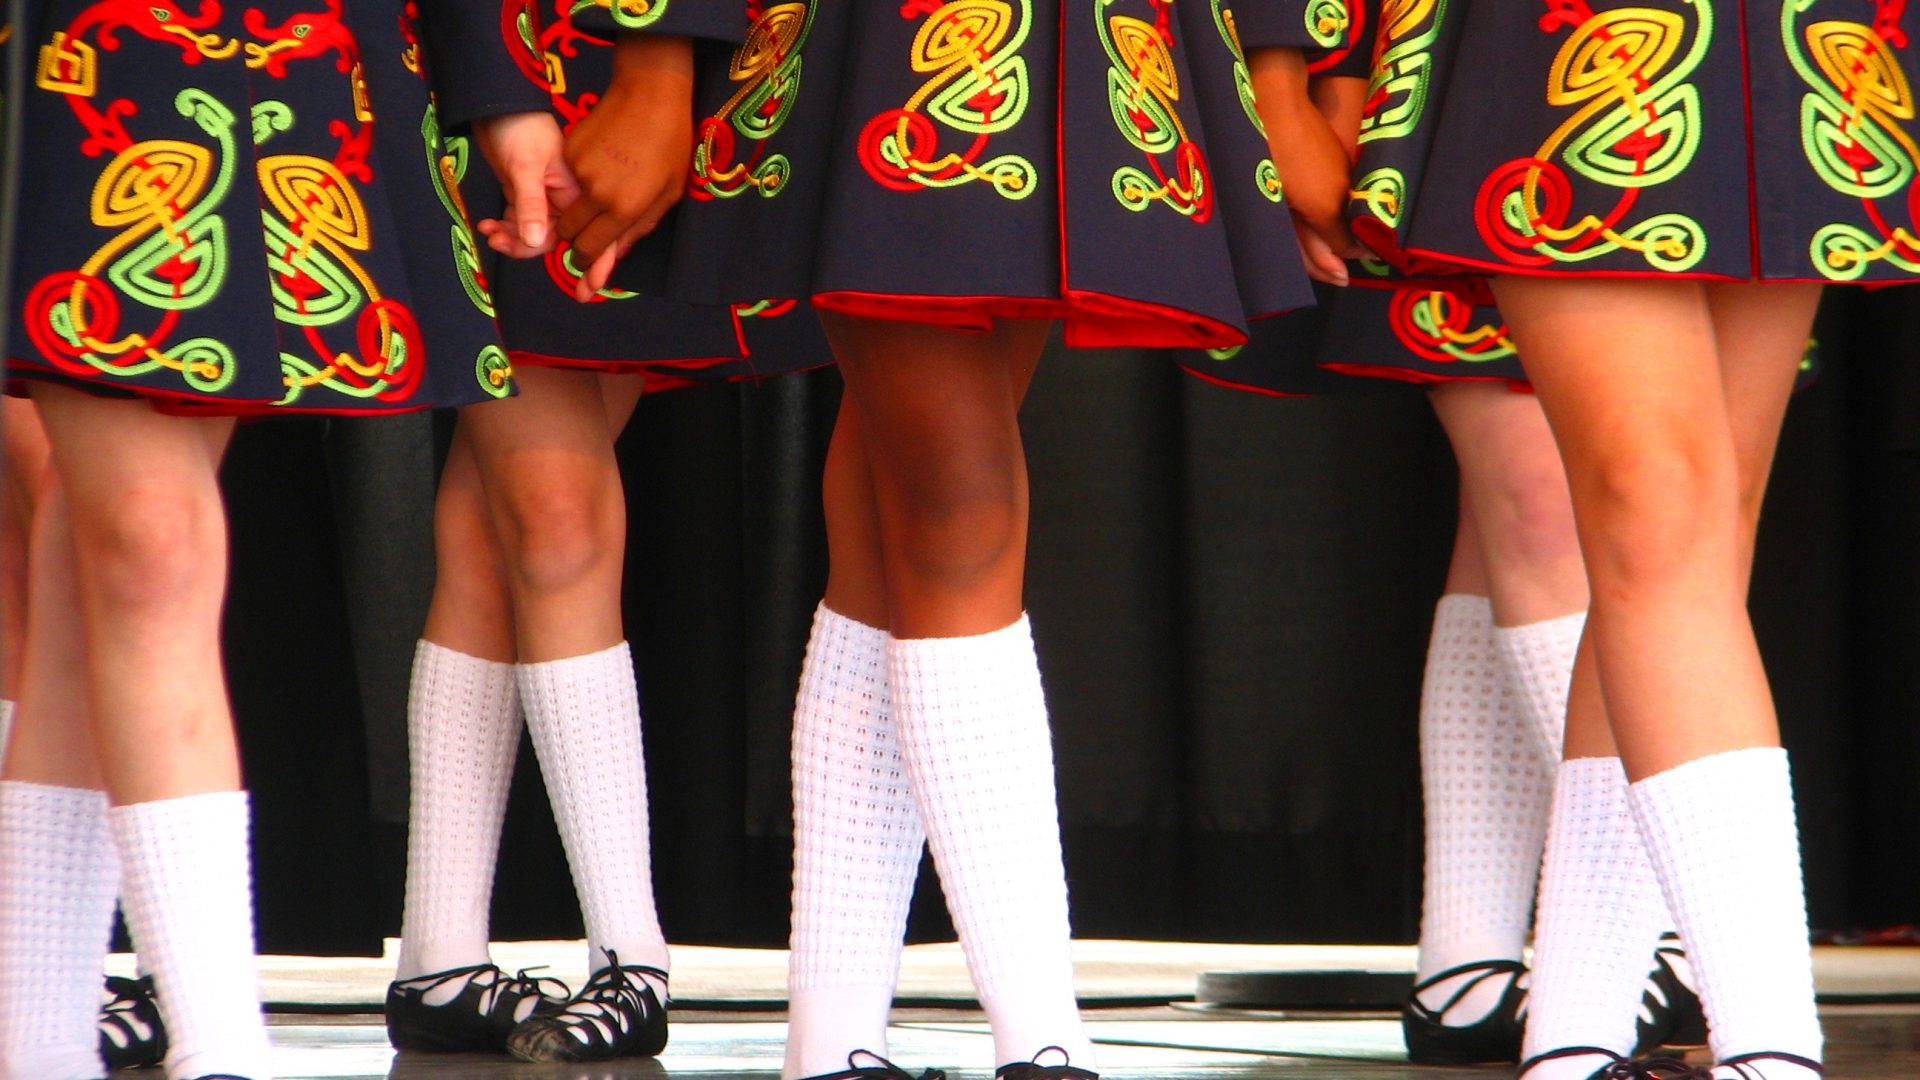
column 484, row 59
column 1302, row 24
column 718, row 20
column 1352, row 58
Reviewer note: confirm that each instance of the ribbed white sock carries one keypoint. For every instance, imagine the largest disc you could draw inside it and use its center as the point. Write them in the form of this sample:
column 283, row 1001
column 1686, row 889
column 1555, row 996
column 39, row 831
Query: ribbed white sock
column 856, row 850
column 1537, row 661
column 189, row 906
column 463, row 731
column 1600, row 917
column 972, row 724
column 584, row 715
column 6, row 728
column 1486, row 791
column 58, row 874
column 1721, row 834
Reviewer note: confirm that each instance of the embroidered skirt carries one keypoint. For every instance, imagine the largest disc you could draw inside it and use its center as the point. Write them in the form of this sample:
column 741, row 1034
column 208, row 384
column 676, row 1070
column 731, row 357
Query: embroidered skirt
column 1724, row 139
column 245, row 208
column 1093, row 161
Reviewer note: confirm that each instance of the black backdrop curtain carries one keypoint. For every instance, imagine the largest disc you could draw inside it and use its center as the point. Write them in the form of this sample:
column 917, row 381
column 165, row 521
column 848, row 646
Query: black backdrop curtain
column 1231, row 595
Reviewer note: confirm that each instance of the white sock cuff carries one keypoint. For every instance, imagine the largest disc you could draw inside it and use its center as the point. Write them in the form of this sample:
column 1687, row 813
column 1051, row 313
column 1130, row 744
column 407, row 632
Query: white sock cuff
column 28, row 803
column 1000, row 662
column 6, row 727
column 584, row 668
column 1762, row 764
column 487, row 686
column 1537, row 660
column 1466, row 608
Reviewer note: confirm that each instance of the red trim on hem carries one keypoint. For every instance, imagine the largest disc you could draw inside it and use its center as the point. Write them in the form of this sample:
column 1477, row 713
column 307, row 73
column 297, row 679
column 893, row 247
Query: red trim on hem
column 1218, row 381
column 1091, row 319
column 1753, row 180
column 618, row 367
column 1423, row 378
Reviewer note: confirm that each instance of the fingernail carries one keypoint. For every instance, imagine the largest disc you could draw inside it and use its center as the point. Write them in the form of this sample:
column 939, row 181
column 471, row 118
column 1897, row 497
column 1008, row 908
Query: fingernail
column 536, row 234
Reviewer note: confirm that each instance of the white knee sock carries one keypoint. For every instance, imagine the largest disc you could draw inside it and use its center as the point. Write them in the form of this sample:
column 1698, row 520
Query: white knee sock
column 1486, row 791
column 1600, row 917
column 189, row 906
column 58, row 874
column 1537, row 661
column 463, row 731
column 584, row 715
column 6, row 727
column 1721, row 834
column 856, row 850
column 972, row 723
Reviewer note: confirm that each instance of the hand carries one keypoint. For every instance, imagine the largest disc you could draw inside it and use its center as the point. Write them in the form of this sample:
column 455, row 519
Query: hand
column 631, row 154
column 525, row 151
column 1316, row 171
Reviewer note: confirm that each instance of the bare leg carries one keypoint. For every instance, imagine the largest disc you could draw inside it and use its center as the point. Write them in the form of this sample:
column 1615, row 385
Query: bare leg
column 1513, row 484
column 25, row 475
column 936, row 413
column 1663, row 485
column 149, row 542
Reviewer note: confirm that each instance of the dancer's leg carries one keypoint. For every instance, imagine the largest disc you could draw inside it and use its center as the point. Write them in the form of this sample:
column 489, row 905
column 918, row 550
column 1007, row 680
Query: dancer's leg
column 545, row 459
column 857, row 833
column 937, row 411
column 149, row 543
column 1486, row 771
column 1645, row 429
column 464, row 725
column 58, row 870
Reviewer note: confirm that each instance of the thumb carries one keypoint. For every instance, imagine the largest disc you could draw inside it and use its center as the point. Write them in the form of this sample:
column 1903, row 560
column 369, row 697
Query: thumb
column 532, row 217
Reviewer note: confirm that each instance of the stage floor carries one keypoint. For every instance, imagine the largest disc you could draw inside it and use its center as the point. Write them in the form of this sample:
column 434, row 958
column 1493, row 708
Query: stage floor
column 1864, row 1043
column 730, row 1023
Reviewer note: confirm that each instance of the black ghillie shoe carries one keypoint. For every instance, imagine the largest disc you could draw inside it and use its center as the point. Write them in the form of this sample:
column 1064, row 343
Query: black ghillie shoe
column 1670, row 1012
column 1619, row 1068
column 615, row 1015
column 881, row 1069
column 1033, row 1070
column 131, row 1034
column 1493, row 1038
column 477, row 1020
column 1747, row 1064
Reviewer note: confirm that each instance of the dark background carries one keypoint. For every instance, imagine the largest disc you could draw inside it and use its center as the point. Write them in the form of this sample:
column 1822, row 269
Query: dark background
column 1231, row 595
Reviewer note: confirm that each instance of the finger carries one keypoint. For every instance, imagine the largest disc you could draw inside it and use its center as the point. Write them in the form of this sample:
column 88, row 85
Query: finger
column 597, row 236
column 577, row 214
column 1322, row 263
column 597, row 275
column 527, row 203
column 563, row 188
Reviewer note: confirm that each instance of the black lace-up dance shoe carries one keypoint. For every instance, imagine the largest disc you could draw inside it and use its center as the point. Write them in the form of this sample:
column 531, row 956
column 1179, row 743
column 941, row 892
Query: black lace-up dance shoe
column 477, row 1020
column 1033, row 1070
column 615, row 1015
column 1670, row 1012
column 131, row 1034
column 1494, row 1037
column 1620, row 1068
column 880, row 1069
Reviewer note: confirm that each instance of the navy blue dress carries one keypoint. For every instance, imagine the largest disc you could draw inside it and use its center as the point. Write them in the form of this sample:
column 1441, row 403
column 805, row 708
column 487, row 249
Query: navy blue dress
column 1721, row 139
column 245, row 208
column 520, row 55
column 1093, row 161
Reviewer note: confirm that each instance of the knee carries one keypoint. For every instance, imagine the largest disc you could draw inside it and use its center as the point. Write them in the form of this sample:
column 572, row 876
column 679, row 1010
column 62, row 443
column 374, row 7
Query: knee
column 1534, row 523
column 1651, row 515
column 152, row 549
column 956, row 522
column 559, row 528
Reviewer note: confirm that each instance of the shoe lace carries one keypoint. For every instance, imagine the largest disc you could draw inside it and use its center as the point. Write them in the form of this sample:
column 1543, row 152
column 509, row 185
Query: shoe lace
column 120, row 1018
column 1745, row 1064
column 1653, row 1069
column 882, row 1069
column 1481, row 970
column 611, row 1003
column 1033, row 1070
